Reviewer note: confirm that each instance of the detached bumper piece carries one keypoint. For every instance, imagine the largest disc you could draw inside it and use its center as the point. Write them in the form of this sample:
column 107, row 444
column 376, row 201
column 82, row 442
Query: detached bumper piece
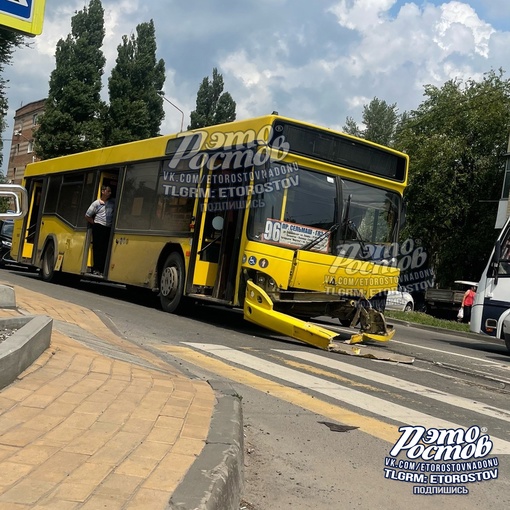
column 258, row 308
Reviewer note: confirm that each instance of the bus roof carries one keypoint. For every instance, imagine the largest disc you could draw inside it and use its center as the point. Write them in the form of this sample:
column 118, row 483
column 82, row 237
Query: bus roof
column 247, row 130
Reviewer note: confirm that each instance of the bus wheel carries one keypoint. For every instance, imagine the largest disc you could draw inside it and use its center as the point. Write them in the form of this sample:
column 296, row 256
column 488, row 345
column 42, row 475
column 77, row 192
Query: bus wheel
column 48, row 263
column 507, row 342
column 171, row 284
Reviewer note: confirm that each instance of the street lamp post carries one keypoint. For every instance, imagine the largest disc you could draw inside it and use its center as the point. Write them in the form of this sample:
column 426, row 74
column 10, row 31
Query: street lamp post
column 177, row 108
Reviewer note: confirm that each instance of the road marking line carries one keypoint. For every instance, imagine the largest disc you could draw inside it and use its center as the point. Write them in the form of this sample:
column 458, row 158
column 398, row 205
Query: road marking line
column 500, row 365
column 402, row 384
column 350, row 396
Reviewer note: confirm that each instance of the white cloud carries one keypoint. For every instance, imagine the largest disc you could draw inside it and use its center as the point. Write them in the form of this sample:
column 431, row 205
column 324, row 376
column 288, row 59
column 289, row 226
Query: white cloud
column 362, row 15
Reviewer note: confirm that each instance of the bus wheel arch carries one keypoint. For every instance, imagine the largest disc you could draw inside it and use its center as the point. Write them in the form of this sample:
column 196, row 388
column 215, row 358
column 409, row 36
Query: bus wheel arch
column 48, row 259
column 172, row 278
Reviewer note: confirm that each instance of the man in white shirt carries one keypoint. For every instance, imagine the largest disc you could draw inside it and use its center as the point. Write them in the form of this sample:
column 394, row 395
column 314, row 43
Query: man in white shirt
column 100, row 216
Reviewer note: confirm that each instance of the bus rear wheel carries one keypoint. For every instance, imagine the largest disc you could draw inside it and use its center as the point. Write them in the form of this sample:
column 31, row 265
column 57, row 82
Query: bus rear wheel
column 171, row 284
column 48, row 263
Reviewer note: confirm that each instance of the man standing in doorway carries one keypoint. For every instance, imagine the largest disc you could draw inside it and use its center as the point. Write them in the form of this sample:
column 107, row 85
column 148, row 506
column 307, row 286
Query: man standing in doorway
column 100, row 216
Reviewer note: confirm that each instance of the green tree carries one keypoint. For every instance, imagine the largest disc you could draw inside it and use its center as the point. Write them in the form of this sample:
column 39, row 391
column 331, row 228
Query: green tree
column 380, row 120
column 456, row 141
column 74, row 113
column 9, row 41
column 135, row 88
column 213, row 105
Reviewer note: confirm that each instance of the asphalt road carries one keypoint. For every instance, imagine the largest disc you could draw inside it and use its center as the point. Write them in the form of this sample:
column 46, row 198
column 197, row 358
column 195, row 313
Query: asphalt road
column 320, row 426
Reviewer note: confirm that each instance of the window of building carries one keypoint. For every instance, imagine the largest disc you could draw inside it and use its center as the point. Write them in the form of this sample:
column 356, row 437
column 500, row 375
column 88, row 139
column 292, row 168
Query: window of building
column 35, row 118
column 30, row 146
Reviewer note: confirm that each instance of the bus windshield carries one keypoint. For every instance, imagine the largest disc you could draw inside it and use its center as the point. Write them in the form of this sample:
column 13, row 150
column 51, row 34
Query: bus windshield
column 293, row 211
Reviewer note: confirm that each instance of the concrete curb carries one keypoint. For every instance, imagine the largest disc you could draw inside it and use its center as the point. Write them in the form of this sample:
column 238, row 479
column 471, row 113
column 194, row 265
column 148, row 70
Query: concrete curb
column 7, row 297
column 215, row 480
column 24, row 346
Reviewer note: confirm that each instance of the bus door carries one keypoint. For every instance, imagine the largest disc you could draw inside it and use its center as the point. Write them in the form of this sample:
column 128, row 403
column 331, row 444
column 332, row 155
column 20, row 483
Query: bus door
column 32, row 221
column 109, row 178
column 214, row 258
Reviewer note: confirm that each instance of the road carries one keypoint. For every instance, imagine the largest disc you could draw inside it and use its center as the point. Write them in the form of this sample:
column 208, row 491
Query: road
column 320, row 426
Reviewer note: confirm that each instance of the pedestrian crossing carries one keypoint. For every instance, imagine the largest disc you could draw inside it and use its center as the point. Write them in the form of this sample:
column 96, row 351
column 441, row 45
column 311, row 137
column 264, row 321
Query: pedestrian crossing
column 374, row 405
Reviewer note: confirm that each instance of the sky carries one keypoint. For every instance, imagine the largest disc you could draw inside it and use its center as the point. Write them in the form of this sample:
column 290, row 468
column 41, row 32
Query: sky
column 314, row 60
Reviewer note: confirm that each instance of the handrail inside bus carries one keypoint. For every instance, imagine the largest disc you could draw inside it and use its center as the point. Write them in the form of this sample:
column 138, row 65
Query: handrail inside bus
column 18, row 201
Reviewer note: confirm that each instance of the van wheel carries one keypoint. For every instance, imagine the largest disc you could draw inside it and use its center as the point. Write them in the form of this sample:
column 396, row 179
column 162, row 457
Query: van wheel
column 171, row 284
column 48, row 264
column 507, row 342
column 409, row 307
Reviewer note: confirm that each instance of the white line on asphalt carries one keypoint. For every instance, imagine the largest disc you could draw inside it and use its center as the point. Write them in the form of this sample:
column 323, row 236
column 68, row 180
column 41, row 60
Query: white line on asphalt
column 350, row 396
column 505, row 367
column 402, row 384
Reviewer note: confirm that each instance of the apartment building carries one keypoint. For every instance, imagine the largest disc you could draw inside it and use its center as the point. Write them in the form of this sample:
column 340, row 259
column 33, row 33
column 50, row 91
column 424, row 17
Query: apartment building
column 22, row 144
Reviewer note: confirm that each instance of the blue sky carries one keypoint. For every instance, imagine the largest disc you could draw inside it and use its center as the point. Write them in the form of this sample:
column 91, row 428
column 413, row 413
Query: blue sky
column 319, row 60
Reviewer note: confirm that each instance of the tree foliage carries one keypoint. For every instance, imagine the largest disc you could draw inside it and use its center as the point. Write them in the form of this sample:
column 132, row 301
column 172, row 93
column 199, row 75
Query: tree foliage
column 456, row 141
column 380, row 120
column 135, row 88
column 213, row 105
column 74, row 113
column 9, row 41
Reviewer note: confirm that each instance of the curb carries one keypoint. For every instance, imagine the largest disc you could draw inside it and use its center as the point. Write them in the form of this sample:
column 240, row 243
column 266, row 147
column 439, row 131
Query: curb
column 215, row 479
column 7, row 297
column 24, row 346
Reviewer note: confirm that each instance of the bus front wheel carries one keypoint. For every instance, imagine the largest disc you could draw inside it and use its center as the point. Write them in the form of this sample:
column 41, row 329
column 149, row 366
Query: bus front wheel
column 171, row 284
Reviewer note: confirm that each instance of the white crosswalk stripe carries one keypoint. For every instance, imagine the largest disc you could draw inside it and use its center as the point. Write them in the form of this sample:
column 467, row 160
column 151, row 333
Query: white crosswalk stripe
column 375, row 405
column 401, row 384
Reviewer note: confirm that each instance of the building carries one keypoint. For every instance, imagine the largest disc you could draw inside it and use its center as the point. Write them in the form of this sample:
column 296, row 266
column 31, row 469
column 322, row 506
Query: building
column 22, row 145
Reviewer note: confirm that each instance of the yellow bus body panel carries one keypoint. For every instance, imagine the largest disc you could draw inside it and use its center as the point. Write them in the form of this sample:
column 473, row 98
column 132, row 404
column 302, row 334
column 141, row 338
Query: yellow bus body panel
column 258, row 308
column 70, row 243
column 272, row 260
column 205, row 273
column 319, row 272
column 337, row 275
column 134, row 257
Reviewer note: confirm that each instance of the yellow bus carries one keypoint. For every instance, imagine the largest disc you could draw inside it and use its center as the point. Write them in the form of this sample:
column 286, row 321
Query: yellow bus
column 282, row 218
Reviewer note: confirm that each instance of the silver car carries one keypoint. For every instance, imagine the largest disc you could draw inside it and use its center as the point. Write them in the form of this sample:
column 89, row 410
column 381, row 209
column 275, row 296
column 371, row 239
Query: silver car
column 399, row 301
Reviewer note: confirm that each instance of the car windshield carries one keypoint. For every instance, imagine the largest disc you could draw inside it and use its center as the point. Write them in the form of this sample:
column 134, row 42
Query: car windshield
column 7, row 228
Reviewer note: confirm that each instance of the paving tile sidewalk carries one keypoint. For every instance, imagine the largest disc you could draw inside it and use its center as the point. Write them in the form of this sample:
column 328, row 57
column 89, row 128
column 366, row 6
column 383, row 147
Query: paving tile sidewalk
column 80, row 429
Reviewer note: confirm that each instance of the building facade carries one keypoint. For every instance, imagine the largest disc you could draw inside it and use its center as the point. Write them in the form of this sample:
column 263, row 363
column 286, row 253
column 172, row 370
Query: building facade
column 22, row 144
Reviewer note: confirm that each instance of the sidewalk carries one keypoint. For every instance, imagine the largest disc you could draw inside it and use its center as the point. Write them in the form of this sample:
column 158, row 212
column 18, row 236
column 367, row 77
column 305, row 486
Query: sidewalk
column 108, row 427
